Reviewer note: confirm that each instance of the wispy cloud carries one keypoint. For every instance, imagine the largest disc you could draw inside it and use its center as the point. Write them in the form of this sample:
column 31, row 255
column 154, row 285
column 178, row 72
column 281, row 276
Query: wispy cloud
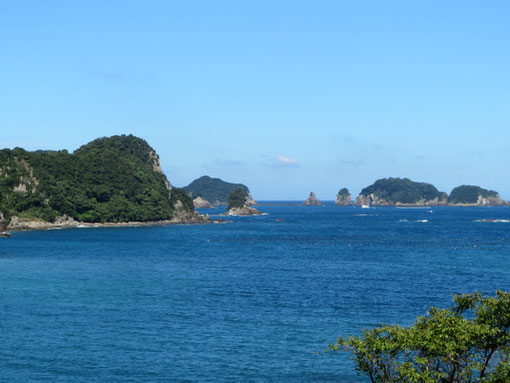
column 281, row 160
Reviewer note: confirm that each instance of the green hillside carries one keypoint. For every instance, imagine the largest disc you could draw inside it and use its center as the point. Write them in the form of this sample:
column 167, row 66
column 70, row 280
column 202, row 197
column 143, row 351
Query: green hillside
column 113, row 179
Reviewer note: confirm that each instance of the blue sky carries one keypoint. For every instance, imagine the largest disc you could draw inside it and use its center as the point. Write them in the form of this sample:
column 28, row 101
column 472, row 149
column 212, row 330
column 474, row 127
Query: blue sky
column 284, row 96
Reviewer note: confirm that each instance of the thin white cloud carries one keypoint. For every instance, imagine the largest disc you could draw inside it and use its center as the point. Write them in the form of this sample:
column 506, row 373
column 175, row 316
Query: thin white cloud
column 285, row 161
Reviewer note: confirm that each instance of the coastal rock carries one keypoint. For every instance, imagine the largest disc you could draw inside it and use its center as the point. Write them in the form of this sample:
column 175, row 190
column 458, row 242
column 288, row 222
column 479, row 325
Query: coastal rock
column 312, row 200
column 343, row 198
column 469, row 195
column 250, row 200
column 201, row 203
column 363, row 200
column 245, row 210
column 3, row 226
column 156, row 166
column 183, row 215
column 60, row 222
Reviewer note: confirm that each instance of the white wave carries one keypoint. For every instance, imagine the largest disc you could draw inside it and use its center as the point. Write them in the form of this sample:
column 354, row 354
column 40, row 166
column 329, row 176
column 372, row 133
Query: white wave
column 493, row 220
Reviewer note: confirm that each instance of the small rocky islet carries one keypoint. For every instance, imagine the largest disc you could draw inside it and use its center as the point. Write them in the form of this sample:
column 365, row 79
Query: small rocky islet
column 312, row 200
column 239, row 204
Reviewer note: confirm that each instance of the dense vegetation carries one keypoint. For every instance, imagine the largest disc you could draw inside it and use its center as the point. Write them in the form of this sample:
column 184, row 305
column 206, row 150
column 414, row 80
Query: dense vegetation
column 403, row 190
column 213, row 190
column 237, row 199
column 112, row 179
column 344, row 193
column 467, row 194
column 469, row 342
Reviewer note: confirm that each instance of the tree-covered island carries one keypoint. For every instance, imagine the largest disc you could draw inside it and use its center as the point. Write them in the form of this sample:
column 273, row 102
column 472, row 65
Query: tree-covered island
column 109, row 180
column 400, row 192
column 214, row 190
column 404, row 192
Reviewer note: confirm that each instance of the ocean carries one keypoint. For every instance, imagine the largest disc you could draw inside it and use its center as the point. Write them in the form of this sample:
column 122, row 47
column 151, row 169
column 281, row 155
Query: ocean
column 254, row 300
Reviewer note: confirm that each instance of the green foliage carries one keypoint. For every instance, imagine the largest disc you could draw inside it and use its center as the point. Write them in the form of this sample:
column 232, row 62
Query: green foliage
column 213, row 190
column 344, row 192
column 108, row 180
column 403, row 190
column 237, row 199
column 470, row 342
column 467, row 194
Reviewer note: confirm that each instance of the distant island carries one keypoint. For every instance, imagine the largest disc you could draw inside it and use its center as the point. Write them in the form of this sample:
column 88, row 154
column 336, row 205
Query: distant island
column 400, row 191
column 469, row 195
column 404, row 192
column 312, row 200
column 107, row 181
column 238, row 204
column 214, row 191
column 343, row 197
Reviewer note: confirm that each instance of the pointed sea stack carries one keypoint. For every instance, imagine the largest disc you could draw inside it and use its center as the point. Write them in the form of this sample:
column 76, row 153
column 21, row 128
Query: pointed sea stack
column 312, row 200
column 343, row 198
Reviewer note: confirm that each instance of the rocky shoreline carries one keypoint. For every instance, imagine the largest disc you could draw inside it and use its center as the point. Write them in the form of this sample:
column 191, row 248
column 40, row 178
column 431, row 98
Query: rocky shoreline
column 244, row 211
column 17, row 224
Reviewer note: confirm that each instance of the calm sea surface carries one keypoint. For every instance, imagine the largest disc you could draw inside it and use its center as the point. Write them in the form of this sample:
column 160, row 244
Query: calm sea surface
column 251, row 301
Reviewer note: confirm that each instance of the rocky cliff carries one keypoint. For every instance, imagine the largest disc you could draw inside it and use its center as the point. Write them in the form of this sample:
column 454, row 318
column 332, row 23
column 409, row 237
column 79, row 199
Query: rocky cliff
column 312, row 200
column 343, row 198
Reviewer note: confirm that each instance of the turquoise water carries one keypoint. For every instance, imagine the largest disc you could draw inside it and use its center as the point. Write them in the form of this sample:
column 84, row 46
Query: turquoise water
column 252, row 300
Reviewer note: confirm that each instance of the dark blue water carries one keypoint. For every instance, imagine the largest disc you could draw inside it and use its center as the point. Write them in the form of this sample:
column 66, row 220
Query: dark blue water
column 252, row 301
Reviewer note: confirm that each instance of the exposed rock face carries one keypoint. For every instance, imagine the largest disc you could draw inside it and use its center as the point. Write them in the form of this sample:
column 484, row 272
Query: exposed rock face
column 245, row 210
column 183, row 215
column 343, row 198
column 484, row 201
column 201, row 203
column 61, row 222
column 374, row 200
column 157, row 168
column 363, row 200
column 312, row 200
column 3, row 227
column 250, row 200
